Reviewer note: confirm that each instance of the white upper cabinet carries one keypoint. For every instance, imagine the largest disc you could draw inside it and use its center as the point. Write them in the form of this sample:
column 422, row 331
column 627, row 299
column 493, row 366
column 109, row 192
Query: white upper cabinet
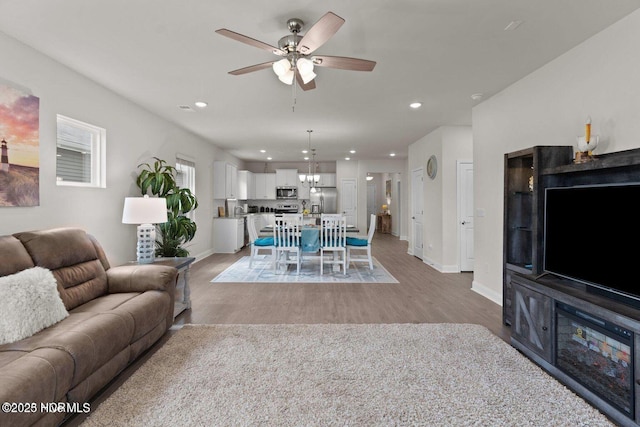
column 327, row 180
column 225, row 180
column 265, row 186
column 286, row 177
column 246, row 185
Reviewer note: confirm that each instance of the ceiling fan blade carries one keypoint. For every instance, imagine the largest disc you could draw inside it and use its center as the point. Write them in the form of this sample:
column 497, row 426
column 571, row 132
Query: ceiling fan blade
column 320, row 32
column 251, row 42
column 343, row 63
column 251, row 68
column 303, row 86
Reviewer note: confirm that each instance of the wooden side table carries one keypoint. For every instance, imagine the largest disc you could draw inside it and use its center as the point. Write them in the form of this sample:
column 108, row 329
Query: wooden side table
column 384, row 223
column 183, row 292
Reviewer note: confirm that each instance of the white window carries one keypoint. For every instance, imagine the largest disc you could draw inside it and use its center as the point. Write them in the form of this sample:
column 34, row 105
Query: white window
column 80, row 154
column 186, row 177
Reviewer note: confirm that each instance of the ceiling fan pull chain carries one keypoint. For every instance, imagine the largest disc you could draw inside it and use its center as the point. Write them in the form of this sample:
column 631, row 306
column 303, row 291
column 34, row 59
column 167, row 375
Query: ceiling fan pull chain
column 294, row 95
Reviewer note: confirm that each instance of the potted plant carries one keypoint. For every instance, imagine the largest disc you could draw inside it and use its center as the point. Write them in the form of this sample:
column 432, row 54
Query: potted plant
column 159, row 180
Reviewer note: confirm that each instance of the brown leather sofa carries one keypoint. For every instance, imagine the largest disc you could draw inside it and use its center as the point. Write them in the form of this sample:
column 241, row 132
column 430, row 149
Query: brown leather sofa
column 115, row 314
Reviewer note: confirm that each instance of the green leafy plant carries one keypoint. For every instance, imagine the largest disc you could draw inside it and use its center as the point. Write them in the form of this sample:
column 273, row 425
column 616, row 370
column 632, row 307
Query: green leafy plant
column 159, row 180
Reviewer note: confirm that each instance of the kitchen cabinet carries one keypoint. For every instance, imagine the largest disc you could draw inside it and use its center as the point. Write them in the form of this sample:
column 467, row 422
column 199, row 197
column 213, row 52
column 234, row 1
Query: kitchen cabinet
column 287, row 178
column 246, row 185
column 225, row 180
column 327, row 180
column 228, row 234
column 265, row 186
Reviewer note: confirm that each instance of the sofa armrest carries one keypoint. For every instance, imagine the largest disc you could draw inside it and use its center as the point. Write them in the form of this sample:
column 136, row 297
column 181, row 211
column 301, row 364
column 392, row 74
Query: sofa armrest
column 140, row 278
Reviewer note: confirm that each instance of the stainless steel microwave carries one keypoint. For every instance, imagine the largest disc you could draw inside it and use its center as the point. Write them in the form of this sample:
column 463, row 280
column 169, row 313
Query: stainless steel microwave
column 286, row 193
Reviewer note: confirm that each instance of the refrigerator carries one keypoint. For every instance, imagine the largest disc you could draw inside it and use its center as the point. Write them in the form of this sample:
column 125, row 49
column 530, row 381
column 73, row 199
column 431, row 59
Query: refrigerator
column 324, row 200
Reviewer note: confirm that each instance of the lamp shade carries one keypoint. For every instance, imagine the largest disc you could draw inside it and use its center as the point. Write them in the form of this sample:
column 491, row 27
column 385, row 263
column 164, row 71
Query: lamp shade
column 281, row 67
column 305, row 67
column 144, row 210
column 287, row 77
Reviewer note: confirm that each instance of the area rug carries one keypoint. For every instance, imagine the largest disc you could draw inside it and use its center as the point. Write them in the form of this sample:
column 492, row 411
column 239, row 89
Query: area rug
column 339, row 375
column 262, row 271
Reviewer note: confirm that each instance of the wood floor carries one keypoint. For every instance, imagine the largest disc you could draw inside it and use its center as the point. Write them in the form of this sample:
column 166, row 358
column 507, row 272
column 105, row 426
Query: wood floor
column 423, row 296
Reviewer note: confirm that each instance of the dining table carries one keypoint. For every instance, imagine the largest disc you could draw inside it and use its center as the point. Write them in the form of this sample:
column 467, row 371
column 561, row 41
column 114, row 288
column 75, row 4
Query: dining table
column 309, row 236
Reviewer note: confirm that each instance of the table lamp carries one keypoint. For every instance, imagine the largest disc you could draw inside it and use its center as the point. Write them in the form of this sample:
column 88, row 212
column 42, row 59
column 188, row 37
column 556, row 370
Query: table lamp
column 384, row 209
column 145, row 211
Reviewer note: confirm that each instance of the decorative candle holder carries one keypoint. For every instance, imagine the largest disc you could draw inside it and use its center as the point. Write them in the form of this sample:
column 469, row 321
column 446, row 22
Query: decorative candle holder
column 585, row 149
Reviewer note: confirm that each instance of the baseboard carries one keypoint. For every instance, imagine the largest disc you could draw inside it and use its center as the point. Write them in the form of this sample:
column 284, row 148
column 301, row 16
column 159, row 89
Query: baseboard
column 432, row 263
column 490, row 294
column 403, row 237
column 442, row 268
column 203, row 255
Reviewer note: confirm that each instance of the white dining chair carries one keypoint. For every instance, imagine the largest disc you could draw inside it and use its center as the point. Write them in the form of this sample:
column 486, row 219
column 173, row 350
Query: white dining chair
column 362, row 244
column 286, row 236
column 333, row 231
column 260, row 243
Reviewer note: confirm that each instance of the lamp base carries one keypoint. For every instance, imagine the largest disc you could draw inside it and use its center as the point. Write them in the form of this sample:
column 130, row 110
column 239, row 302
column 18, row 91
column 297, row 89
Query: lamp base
column 146, row 247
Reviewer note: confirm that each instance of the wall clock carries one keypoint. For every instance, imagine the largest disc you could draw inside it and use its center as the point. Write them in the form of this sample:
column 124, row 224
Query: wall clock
column 432, row 167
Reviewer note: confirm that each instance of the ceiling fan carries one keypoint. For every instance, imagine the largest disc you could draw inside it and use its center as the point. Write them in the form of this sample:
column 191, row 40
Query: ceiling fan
column 295, row 50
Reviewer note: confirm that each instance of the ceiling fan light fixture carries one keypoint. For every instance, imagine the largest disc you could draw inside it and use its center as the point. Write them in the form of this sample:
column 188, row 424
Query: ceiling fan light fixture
column 287, row 78
column 281, row 67
column 305, row 68
column 307, row 77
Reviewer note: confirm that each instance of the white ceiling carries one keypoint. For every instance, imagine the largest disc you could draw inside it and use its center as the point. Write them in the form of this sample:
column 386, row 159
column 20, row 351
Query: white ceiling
column 165, row 53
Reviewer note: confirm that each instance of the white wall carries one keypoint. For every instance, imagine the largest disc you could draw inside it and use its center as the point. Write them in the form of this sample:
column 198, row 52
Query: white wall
column 449, row 144
column 598, row 78
column 134, row 135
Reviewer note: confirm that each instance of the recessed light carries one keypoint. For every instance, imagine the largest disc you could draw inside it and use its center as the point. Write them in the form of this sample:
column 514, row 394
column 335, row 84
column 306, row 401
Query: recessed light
column 305, row 151
column 415, row 105
column 263, row 151
column 352, row 151
column 392, row 154
column 269, row 158
column 347, row 158
column 200, row 104
column 306, row 157
column 477, row 96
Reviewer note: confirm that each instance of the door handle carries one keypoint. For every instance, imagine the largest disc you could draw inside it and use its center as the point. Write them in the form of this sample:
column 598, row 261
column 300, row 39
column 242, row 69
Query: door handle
column 463, row 222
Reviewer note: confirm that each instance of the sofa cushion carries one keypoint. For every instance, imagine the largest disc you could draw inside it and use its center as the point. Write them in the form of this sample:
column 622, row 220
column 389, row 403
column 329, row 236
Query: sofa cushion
column 72, row 257
column 43, row 375
column 29, row 302
column 144, row 310
column 91, row 339
column 58, row 247
column 14, row 256
column 81, row 283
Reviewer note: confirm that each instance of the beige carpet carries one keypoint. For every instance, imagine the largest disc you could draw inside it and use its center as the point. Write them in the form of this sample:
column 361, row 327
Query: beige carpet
column 356, row 375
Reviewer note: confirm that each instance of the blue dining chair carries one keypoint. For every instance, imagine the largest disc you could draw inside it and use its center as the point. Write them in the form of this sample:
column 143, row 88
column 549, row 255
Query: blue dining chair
column 361, row 244
column 260, row 243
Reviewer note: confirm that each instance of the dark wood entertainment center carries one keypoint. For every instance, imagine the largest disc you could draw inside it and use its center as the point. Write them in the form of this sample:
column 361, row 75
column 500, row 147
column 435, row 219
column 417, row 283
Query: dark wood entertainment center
column 533, row 302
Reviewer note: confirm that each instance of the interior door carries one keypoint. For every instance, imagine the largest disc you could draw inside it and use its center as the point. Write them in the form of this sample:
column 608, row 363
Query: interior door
column 372, row 205
column 349, row 200
column 465, row 215
column 417, row 210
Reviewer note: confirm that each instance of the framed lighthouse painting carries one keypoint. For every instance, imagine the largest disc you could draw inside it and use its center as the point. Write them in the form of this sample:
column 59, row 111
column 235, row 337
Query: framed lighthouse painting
column 19, row 145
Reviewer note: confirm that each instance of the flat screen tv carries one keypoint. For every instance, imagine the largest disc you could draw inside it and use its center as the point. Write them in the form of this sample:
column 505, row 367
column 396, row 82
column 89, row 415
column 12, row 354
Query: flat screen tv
column 592, row 235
